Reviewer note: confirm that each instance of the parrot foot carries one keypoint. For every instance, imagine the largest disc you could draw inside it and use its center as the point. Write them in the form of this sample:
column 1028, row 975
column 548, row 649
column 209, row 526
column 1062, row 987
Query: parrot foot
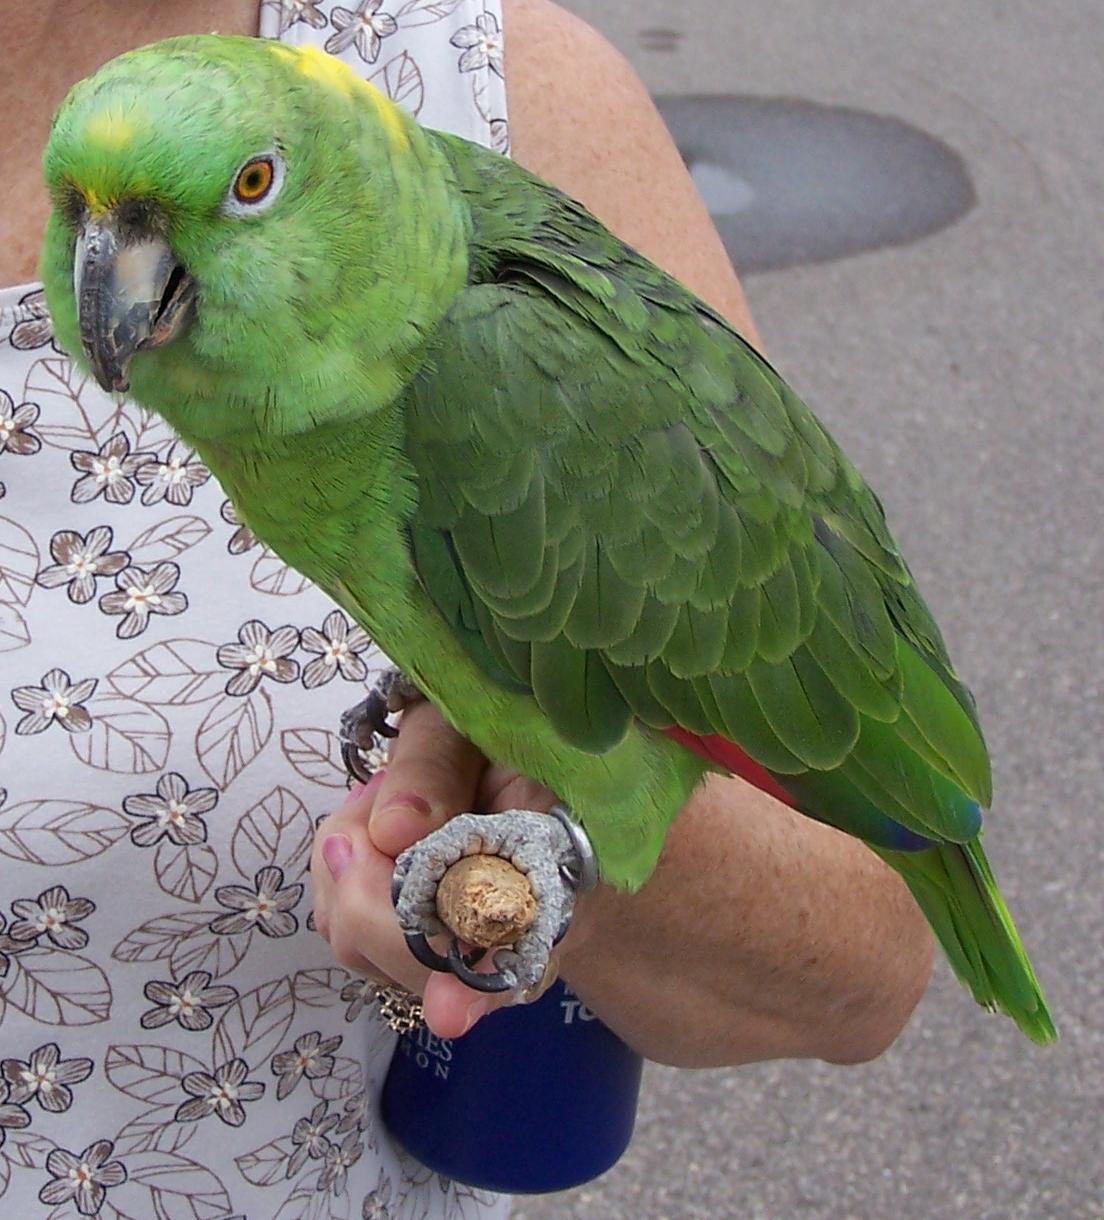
column 553, row 853
column 363, row 726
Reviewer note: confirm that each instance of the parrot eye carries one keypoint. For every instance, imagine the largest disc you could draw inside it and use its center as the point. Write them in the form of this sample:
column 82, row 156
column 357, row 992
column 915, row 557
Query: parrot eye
column 255, row 185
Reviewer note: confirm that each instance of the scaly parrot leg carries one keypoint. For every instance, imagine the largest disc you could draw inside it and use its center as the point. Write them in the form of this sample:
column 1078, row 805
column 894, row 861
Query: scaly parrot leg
column 363, row 725
column 551, row 850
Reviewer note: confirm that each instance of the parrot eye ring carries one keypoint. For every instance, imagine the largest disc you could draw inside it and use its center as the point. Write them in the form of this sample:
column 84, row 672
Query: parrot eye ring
column 256, row 184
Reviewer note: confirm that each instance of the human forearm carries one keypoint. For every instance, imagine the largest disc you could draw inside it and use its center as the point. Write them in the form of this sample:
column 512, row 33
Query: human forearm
column 760, row 935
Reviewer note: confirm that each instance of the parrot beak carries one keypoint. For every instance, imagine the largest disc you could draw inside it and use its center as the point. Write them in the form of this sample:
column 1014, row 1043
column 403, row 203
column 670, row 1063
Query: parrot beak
column 132, row 295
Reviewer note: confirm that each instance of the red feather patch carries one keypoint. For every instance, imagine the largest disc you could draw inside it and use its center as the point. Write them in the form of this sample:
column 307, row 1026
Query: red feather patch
column 727, row 754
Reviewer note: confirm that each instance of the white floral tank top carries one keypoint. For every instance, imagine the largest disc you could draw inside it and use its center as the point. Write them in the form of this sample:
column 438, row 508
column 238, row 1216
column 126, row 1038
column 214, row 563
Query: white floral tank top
column 175, row 1039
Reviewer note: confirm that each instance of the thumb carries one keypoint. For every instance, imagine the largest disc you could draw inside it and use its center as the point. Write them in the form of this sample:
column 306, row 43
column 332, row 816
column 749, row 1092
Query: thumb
column 431, row 776
column 451, row 1008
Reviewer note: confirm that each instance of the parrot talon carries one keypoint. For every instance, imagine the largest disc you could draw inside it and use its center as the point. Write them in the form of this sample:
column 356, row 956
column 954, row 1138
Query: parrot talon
column 460, row 965
column 376, row 712
column 362, row 726
column 558, row 861
column 582, row 873
column 420, row 947
column 355, row 767
column 398, row 876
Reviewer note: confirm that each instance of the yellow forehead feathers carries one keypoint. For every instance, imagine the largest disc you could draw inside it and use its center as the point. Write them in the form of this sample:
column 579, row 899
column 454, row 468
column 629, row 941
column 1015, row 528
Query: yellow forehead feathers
column 330, row 70
column 110, row 129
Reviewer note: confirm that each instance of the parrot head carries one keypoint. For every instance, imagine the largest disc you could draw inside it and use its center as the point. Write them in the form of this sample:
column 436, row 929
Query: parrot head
column 231, row 215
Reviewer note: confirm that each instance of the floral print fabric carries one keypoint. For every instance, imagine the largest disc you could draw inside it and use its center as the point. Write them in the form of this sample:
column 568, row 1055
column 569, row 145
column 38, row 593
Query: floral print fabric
column 175, row 1039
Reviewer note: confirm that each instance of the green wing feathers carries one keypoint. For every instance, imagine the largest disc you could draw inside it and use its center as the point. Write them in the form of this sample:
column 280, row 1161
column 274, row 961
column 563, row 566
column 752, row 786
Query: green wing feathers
column 615, row 474
column 632, row 517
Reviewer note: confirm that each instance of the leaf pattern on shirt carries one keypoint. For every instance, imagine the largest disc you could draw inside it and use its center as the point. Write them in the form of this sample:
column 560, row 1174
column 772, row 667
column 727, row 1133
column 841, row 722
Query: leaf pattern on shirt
column 18, row 563
column 54, row 833
column 167, row 539
column 232, row 736
column 54, row 987
column 123, row 736
column 160, row 788
column 401, row 79
column 315, row 754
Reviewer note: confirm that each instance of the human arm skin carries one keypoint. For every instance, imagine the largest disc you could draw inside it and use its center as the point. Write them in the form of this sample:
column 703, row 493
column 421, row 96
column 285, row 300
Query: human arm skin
column 761, row 934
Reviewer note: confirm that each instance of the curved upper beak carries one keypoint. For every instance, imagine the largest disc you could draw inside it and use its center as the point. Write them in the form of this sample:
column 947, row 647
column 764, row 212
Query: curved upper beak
column 132, row 294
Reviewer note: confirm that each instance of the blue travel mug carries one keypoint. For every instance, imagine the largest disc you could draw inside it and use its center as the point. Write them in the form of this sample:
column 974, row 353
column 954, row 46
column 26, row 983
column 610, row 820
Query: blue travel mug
column 532, row 1099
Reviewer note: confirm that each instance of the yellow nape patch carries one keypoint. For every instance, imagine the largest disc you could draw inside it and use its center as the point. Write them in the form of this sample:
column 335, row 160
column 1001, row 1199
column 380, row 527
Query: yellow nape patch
column 330, row 70
column 110, row 130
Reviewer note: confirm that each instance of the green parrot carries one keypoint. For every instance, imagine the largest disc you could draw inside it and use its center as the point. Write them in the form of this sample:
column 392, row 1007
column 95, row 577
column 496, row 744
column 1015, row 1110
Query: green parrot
column 586, row 519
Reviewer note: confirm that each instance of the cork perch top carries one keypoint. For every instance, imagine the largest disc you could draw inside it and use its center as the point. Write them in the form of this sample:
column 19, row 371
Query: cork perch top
column 485, row 901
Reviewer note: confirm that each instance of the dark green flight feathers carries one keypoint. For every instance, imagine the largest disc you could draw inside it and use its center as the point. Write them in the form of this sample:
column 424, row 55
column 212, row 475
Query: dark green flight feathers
column 613, row 506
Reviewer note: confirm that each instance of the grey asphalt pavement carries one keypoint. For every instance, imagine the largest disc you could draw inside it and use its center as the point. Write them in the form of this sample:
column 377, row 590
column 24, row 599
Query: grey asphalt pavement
column 962, row 372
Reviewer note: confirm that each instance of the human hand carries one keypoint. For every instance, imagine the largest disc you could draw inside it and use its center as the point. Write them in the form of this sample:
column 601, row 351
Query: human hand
column 432, row 775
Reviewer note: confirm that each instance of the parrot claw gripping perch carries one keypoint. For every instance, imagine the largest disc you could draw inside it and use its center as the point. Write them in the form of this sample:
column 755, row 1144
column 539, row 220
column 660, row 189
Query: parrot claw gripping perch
column 551, row 850
column 364, row 724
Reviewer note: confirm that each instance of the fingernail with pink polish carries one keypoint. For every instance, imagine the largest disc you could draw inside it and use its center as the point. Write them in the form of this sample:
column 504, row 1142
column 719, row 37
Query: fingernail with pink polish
column 337, row 851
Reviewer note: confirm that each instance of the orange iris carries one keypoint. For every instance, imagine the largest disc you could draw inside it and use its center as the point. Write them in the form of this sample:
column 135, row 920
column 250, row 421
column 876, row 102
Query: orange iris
column 254, row 180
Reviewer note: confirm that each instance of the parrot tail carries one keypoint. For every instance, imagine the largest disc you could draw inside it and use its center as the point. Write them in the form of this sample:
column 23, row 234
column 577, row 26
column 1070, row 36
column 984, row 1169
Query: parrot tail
column 954, row 886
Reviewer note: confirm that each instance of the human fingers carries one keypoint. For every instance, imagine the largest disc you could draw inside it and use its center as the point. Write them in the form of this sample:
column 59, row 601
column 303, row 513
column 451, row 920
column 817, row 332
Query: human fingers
column 431, row 775
column 336, row 841
column 353, row 912
column 450, row 1008
column 351, row 886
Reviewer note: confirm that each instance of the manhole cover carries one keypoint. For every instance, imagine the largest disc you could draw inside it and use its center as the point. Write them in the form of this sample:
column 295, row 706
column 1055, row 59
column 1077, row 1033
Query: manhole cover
column 789, row 181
